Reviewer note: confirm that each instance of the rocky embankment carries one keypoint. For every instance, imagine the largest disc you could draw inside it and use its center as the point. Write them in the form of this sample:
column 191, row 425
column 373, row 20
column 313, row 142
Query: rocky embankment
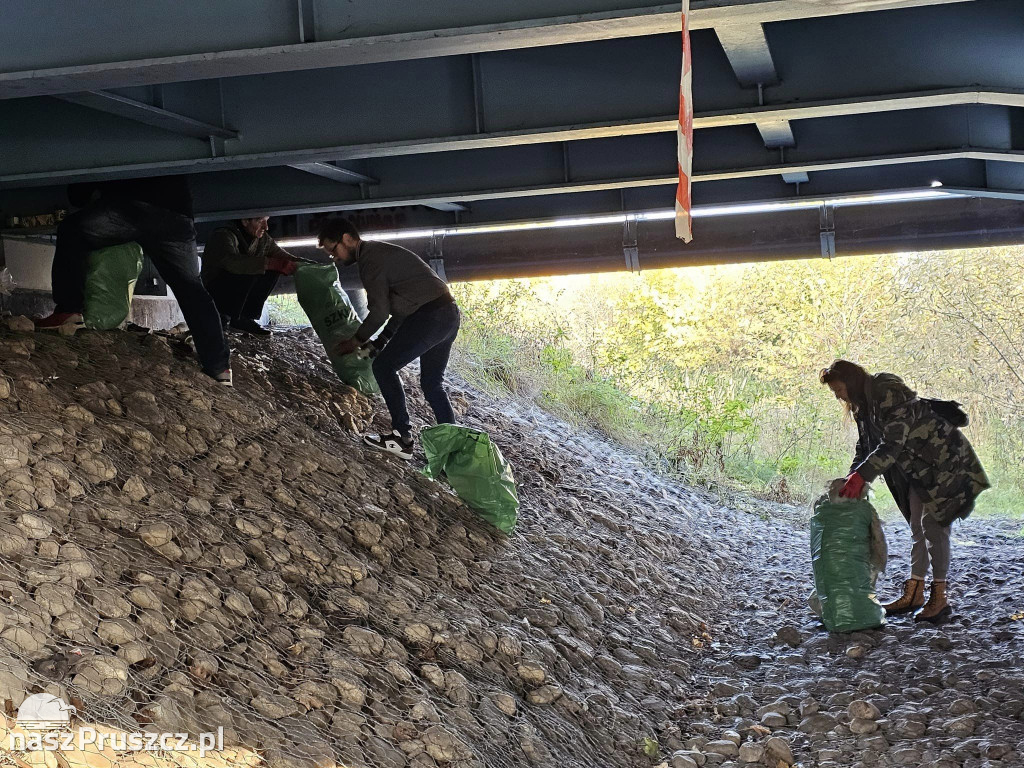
column 180, row 557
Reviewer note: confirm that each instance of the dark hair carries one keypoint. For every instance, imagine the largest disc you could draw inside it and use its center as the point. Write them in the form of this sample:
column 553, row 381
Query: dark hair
column 852, row 375
column 335, row 227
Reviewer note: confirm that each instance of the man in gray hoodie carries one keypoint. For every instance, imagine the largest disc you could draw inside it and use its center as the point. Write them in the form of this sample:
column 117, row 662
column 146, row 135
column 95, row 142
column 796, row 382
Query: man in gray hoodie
column 424, row 321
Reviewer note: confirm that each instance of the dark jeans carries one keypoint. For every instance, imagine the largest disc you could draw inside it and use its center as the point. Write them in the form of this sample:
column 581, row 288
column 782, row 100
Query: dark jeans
column 428, row 333
column 241, row 296
column 167, row 238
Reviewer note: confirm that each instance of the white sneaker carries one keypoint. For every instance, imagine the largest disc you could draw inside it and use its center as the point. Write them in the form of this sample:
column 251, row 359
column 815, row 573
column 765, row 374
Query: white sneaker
column 393, row 443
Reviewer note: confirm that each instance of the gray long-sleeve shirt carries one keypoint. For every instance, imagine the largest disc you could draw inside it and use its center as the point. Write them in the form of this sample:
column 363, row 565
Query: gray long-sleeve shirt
column 397, row 283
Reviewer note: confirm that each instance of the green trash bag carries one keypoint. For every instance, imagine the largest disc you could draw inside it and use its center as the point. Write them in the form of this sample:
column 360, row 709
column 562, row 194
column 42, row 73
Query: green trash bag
column 477, row 471
column 841, row 557
column 333, row 318
column 110, row 277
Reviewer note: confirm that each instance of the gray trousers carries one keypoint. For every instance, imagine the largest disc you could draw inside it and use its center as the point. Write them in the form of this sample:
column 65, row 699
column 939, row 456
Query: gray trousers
column 931, row 543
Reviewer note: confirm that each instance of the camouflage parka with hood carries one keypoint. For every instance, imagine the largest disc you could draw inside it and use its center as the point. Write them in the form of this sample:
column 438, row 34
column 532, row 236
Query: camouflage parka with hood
column 903, row 439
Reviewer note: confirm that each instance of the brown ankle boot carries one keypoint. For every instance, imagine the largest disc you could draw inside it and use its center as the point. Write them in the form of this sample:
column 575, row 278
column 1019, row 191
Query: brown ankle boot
column 936, row 610
column 911, row 599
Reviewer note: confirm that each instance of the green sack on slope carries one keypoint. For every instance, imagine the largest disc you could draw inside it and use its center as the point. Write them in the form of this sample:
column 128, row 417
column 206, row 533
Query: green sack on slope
column 333, row 318
column 110, row 277
column 841, row 560
column 477, row 471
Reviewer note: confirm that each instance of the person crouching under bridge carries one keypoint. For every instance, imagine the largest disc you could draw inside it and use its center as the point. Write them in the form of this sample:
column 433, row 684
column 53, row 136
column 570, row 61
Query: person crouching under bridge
column 241, row 266
column 424, row 323
column 930, row 468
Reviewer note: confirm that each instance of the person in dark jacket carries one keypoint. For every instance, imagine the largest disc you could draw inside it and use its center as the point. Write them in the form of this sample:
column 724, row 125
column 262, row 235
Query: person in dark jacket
column 930, row 468
column 424, row 321
column 241, row 266
column 156, row 213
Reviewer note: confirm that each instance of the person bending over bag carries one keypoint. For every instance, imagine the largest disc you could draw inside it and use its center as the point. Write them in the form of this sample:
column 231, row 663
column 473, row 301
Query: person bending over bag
column 930, row 468
column 424, row 323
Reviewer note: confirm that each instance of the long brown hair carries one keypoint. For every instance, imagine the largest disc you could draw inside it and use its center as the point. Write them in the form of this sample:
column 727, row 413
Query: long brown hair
column 854, row 377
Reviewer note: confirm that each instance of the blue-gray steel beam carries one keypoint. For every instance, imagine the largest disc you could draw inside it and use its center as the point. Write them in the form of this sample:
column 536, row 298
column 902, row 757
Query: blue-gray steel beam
column 900, row 138
column 307, row 202
column 335, row 173
column 10, row 175
column 140, row 112
column 959, row 173
column 731, row 151
column 247, row 190
column 403, row 101
column 896, row 102
column 973, row 153
column 995, row 194
column 747, row 50
column 37, row 59
column 776, row 134
column 449, row 207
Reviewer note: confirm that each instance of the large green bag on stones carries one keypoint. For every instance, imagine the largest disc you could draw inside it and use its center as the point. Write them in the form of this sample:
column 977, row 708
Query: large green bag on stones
column 333, row 318
column 841, row 560
column 110, row 277
column 476, row 470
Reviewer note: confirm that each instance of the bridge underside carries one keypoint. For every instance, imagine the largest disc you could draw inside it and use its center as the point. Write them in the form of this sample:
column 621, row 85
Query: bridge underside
column 458, row 113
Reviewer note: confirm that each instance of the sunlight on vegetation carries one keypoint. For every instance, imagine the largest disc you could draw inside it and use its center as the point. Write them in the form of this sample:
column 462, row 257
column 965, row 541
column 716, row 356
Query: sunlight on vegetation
column 284, row 309
column 711, row 373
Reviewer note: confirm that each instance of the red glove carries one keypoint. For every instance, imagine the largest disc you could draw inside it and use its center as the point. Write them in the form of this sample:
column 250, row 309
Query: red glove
column 281, row 264
column 346, row 346
column 854, row 486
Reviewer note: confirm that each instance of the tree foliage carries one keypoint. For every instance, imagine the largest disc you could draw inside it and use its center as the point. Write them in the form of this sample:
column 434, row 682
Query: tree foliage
column 713, row 372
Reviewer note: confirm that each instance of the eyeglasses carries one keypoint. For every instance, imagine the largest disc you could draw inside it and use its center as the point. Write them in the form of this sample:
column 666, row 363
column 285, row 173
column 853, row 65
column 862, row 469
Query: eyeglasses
column 329, row 248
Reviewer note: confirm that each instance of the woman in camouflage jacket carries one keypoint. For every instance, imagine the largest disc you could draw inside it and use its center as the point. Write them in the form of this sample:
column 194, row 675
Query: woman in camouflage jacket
column 930, row 468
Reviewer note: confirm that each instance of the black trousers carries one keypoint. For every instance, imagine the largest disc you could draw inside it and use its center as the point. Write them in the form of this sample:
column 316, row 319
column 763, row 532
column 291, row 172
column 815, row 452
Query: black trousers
column 241, row 297
column 427, row 334
column 167, row 238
